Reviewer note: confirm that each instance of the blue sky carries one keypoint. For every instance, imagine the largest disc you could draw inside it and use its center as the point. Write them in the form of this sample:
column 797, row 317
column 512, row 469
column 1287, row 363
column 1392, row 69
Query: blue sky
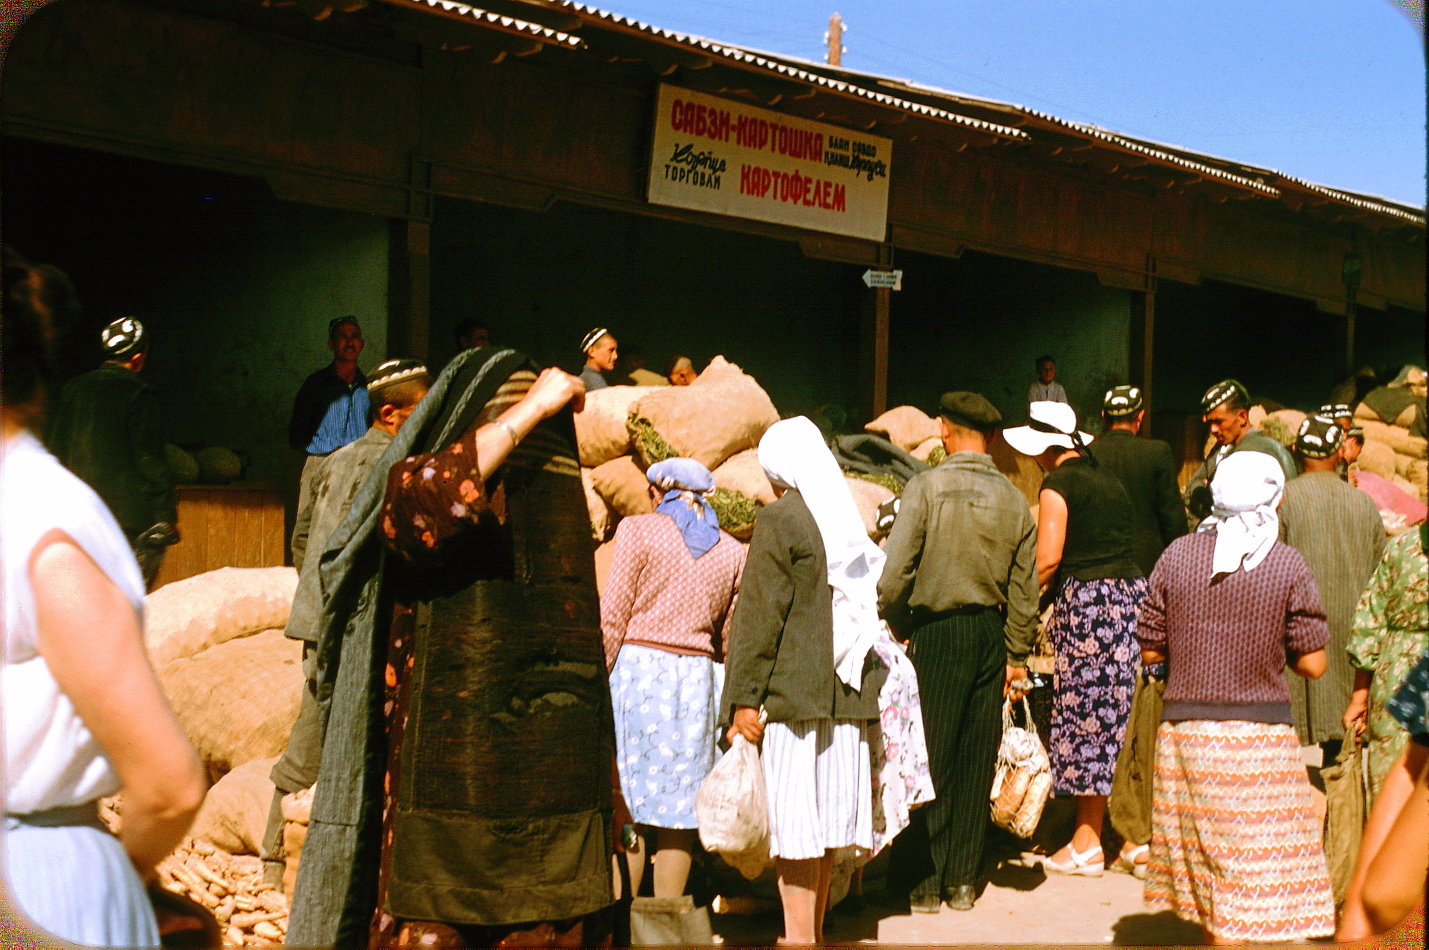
column 1328, row 90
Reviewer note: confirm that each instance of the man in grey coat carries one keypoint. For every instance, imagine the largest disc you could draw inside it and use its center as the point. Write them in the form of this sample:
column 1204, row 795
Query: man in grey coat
column 394, row 391
column 960, row 585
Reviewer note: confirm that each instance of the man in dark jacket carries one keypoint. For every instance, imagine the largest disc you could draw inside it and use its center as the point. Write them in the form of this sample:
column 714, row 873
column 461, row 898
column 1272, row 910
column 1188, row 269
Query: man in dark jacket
column 1147, row 469
column 107, row 433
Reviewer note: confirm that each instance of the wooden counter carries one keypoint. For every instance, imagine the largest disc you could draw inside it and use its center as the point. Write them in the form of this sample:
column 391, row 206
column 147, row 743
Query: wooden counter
column 237, row 525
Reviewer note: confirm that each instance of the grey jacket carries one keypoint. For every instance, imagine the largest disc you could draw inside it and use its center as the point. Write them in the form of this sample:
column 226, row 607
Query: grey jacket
column 335, row 486
column 781, row 648
column 964, row 537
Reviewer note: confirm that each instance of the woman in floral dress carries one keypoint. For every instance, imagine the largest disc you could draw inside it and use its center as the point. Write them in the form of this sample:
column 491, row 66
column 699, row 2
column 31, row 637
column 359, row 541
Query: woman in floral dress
column 1390, row 632
column 1084, row 555
column 673, row 582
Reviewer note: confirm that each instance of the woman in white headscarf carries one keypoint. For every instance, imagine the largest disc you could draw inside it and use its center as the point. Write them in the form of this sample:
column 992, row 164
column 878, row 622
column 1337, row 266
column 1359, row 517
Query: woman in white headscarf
column 1235, row 843
column 802, row 646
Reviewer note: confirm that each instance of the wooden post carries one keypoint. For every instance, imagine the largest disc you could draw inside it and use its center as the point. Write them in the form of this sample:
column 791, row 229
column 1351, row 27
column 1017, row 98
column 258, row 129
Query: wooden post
column 873, row 352
column 836, row 40
column 1350, row 330
column 409, row 289
column 1143, row 334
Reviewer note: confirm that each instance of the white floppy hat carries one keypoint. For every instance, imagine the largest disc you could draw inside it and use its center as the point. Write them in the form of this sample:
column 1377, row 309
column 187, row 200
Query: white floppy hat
column 1051, row 423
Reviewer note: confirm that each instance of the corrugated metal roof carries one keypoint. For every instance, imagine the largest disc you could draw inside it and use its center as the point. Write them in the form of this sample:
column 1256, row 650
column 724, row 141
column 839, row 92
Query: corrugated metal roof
column 1252, row 181
column 508, row 24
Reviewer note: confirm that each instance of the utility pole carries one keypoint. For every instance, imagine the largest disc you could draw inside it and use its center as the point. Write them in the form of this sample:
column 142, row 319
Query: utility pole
column 835, row 36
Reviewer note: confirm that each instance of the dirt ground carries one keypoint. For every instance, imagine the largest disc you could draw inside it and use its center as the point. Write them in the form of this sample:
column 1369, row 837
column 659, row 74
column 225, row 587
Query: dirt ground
column 1018, row 905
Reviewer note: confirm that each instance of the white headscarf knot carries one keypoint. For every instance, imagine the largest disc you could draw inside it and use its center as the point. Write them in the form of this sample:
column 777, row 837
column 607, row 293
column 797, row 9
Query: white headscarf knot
column 1244, row 494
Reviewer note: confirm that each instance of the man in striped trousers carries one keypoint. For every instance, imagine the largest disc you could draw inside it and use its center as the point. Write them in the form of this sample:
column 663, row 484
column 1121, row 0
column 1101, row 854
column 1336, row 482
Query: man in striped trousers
column 960, row 586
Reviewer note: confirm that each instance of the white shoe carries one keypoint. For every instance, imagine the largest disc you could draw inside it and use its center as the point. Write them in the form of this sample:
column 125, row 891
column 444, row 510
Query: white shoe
column 1078, row 863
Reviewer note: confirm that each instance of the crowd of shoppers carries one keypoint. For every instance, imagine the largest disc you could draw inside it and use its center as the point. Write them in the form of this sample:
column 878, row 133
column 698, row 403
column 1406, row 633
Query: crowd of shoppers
column 463, row 718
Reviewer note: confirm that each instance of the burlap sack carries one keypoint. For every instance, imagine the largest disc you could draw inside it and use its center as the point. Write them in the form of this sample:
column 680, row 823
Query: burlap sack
column 603, row 555
column 1022, row 470
column 1396, row 438
column 1291, row 417
column 601, row 434
column 190, row 615
column 866, row 498
column 1417, row 474
column 602, row 519
column 718, row 415
column 905, row 426
column 623, row 486
column 742, row 473
column 235, row 811
column 1363, row 412
column 1406, row 486
column 238, row 700
column 1378, row 458
column 925, row 448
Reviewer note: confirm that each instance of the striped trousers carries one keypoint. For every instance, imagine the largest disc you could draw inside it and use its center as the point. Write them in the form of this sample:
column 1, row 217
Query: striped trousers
column 960, row 660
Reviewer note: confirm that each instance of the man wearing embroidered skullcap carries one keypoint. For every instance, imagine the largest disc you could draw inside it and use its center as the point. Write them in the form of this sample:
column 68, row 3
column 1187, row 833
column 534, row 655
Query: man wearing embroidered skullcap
column 601, row 353
column 394, row 389
column 330, row 409
column 1226, row 408
column 960, row 584
column 107, row 432
column 1338, row 531
column 1342, row 415
column 1147, row 470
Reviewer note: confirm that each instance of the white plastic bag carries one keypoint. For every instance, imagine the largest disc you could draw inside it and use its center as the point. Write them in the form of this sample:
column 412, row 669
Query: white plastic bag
column 733, row 810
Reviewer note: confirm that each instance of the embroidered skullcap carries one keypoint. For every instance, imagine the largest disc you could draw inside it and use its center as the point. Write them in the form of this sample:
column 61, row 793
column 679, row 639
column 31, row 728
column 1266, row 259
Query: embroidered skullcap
column 122, row 337
column 336, row 322
column 1122, row 401
column 593, row 337
column 393, row 372
column 1222, row 391
column 971, row 410
column 1336, row 411
column 1319, row 437
column 1356, row 432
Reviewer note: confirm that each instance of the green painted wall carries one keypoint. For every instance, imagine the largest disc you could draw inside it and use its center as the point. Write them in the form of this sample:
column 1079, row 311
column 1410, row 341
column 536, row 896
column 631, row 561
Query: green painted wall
column 235, row 287
column 977, row 323
column 541, row 280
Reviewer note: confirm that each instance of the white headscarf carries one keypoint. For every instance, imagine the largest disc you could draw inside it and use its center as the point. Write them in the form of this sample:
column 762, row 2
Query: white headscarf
column 1244, row 492
column 794, row 455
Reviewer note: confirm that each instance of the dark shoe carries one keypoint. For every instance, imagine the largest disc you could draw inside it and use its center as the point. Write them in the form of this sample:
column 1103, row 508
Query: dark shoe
column 960, row 897
column 924, row 903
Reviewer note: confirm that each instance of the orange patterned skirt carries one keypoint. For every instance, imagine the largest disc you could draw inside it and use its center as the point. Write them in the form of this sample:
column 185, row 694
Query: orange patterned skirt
column 1235, row 843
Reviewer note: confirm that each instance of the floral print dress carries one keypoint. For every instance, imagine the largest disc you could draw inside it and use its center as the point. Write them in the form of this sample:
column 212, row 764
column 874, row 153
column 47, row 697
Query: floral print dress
column 1389, row 633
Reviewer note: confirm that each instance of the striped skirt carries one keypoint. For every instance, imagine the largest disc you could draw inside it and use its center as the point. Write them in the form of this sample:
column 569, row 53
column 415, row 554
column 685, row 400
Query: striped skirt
column 1235, row 844
column 819, row 781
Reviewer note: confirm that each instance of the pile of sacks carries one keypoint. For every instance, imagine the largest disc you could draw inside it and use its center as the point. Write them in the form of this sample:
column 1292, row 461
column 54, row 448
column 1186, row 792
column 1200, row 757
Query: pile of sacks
column 1392, row 418
column 917, row 433
column 235, row 683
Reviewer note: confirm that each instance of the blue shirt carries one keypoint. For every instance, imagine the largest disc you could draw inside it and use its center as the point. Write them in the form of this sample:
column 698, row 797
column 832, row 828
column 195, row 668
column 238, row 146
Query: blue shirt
column 328, row 412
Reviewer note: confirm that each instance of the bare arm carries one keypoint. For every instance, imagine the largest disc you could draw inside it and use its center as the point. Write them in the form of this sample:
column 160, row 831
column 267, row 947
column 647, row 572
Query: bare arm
column 1358, row 709
column 1051, row 534
column 90, row 637
column 551, row 391
column 1401, row 783
column 1311, row 665
column 1394, row 883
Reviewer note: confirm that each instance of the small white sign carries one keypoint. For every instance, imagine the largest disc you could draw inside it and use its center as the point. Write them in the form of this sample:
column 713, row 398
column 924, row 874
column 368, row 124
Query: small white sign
column 712, row 154
column 883, row 278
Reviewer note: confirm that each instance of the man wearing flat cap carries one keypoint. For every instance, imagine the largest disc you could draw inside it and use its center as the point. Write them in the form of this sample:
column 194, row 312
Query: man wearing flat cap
column 1338, row 531
column 107, row 432
column 960, row 585
column 601, row 353
column 1147, row 470
column 1226, row 408
column 393, row 391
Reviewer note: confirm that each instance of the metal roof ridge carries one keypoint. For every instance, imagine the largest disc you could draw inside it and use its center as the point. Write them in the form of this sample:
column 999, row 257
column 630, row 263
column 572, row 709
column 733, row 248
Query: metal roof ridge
column 740, row 54
column 499, row 19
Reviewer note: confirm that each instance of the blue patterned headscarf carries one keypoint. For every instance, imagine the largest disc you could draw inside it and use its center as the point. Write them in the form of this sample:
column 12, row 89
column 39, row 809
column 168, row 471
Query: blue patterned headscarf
column 685, row 483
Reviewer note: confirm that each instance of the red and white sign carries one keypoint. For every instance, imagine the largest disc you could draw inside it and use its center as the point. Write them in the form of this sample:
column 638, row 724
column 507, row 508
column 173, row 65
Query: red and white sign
column 711, row 154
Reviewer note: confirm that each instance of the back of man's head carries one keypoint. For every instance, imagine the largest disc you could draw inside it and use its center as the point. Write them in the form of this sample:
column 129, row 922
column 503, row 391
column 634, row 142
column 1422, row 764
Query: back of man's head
column 397, row 383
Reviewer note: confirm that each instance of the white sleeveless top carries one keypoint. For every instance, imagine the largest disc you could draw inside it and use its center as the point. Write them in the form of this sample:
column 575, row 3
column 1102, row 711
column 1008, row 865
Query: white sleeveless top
column 51, row 760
